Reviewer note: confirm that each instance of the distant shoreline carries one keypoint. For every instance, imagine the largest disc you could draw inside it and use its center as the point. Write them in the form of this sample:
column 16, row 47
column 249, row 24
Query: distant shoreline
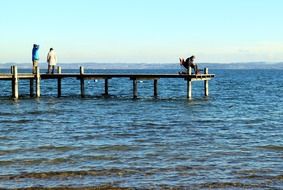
column 251, row 65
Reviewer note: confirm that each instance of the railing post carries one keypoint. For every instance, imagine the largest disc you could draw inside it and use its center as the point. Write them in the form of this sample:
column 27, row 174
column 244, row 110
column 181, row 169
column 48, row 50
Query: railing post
column 59, row 83
column 82, row 82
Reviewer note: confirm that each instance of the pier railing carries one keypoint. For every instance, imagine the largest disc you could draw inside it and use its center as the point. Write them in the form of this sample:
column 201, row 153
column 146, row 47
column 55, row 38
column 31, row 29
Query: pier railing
column 35, row 79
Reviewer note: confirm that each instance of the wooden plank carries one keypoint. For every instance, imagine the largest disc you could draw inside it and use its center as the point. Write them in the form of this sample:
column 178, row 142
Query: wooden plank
column 6, row 76
column 89, row 76
column 143, row 78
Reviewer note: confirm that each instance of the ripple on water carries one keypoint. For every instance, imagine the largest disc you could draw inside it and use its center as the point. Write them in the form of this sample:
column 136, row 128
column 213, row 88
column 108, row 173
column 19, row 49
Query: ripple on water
column 274, row 148
column 47, row 148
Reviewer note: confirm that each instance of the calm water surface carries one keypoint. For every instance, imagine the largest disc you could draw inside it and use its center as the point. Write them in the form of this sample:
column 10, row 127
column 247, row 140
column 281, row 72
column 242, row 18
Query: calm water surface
column 229, row 140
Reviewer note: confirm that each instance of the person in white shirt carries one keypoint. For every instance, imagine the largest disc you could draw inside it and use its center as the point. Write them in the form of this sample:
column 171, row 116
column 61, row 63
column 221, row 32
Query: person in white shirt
column 51, row 60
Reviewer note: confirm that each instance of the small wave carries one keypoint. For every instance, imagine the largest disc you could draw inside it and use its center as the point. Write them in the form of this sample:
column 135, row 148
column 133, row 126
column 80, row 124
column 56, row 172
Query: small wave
column 97, row 157
column 117, row 148
column 56, row 148
column 7, row 114
column 32, row 162
column 102, row 187
column 5, row 138
column 43, row 112
column 71, row 174
column 271, row 147
column 22, row 162
column 20, row 121
column 39, row 149
column 230, row 185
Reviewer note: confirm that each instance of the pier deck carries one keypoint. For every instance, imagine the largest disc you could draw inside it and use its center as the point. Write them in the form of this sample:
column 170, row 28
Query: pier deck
column 82, row 76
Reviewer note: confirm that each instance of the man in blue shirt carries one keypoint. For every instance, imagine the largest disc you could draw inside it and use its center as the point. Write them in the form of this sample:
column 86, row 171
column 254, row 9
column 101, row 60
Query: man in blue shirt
column 35, row 57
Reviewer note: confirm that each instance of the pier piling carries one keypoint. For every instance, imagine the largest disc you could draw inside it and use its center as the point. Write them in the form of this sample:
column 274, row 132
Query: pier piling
column 31, row 87
column 59, row 82
column 155, row 87
column 106, row 87
column 37, row 81
column 135, row 88
column 15, row 82
column 82, row 82
column 206, row 83
column 189, row 84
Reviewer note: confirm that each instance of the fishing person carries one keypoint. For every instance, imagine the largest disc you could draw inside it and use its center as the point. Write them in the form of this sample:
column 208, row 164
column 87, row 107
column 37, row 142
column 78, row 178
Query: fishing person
column 51, row 60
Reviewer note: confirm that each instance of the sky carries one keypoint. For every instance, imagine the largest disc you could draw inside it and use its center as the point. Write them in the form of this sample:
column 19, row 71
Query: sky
column 142, row 31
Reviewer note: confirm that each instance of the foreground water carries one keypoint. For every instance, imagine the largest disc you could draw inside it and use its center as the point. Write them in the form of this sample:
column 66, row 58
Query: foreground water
column 231, row 139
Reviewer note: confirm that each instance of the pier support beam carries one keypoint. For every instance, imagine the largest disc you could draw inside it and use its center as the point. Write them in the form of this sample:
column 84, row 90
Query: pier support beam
column 106, row 87
column 15, row 82
column 189, row 84
column 37, row 81
column 31, row 87
column 189, row 88
column 155, row 87
column 82, row 82
column 206, row 83
column 135, row 88
column 59, row 84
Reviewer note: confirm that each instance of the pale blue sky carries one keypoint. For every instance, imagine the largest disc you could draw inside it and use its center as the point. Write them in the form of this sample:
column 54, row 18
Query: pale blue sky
column 151, row 31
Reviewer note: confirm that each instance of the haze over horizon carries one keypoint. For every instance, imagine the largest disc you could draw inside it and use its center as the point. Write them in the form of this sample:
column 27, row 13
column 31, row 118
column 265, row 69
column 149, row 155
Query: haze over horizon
column 143, row 31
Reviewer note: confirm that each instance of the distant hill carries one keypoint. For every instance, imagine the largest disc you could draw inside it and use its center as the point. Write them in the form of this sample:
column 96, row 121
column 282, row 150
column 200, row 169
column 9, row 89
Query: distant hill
column 250, row 65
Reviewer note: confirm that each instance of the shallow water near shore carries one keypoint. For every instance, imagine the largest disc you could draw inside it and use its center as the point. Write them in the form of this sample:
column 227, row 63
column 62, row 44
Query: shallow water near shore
column 229, row 140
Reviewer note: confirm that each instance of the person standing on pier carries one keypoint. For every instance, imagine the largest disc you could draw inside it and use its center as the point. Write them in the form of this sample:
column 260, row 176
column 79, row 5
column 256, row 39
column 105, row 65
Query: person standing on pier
column 35, row 57
column 51, row 60
column 189, row 63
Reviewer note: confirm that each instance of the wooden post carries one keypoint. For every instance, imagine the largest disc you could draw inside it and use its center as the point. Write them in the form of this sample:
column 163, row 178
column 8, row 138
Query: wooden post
column 15, row 82
column 135, row 88
column 206, row 83
column 155, row 87
column 59, row 84
column 189, row 83
column 82, row 82
column 31, row 87
column 106, row 87
column 37, row 81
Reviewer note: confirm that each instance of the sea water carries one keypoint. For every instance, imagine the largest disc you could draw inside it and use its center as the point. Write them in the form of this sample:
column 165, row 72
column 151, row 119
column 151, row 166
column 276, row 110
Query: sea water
column 231, row 139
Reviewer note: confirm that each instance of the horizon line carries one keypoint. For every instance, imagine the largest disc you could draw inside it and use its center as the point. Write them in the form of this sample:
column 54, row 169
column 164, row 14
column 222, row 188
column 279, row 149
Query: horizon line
column 153, row 63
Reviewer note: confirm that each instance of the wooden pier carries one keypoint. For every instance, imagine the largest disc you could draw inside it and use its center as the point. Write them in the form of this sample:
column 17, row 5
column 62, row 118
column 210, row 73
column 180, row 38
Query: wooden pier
column 14, row 77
